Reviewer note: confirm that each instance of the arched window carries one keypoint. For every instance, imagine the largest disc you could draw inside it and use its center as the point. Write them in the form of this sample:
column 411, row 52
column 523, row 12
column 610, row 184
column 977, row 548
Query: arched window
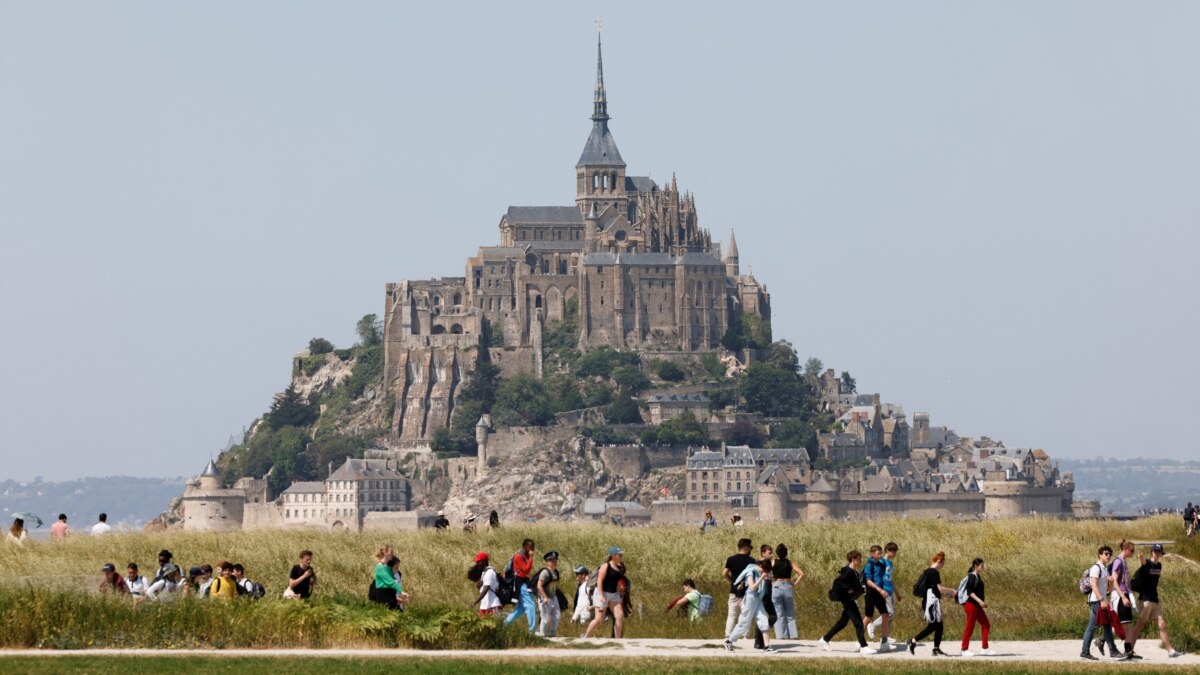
column 595, row 181
column 456, row 329
column 439, row 330
column 605, row 181
column 537, row 301
column 458, row 299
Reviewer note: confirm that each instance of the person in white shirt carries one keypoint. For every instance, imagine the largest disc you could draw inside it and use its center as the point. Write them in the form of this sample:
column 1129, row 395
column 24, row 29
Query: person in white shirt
column 166, row 588
column 102, row 527
column 136, row 583
column 487, row 600
column 583, row 599
column 1098, row 602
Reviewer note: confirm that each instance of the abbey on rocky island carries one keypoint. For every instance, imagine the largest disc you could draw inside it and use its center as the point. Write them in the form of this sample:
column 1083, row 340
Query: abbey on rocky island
column 628, row 262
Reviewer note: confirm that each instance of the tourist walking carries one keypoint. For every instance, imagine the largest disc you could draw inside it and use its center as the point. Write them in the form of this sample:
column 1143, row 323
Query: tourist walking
column 59, row 530
column 975, row 605
column 768, row 605
column 1097, row 576
column 610, row 580
column 1149, row 606
column 734, row 565
column 1189, row 519
column 168, row 587
column 583, row 597
column 846, row 589
column 890, row 598
column 548, row 595
column 931, row 591
column 875, row 597
column 101, row 527
column 384, row 588
column 16, row 533
column 488, row 600
column 710, row 522
column 784, row 575
column 755, row 578
column 164, row 561
column 1120, row 601
column 522, row 580
column 224, row 586
column 442, row 523
column 302, row 578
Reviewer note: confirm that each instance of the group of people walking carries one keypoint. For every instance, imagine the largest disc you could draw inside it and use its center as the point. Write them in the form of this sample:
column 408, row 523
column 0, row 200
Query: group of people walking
column 598, row 597
column 225, row 581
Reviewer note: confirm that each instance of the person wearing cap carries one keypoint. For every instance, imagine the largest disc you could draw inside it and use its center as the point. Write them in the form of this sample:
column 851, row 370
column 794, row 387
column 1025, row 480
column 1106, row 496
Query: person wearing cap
column 134, row 581
column 469, row 524
column 1148, row 604
column 522, row 567
column 610, row 579
column 442, row 523
column 166, row 588
column 583, row 597
column 113, row 581
column 487, row 601
column 548, row 594
column 195, row 578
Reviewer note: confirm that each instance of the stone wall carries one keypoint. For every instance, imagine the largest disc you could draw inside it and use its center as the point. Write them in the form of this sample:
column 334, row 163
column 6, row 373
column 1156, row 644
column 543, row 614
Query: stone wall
column 397, row 521
column 681, row 512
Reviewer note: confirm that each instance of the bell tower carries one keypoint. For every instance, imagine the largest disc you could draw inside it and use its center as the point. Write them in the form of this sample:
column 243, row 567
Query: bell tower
column 600, row 172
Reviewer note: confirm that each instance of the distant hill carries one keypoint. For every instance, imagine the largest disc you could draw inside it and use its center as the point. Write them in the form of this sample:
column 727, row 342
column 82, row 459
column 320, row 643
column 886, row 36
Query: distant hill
column 1127, row 486
column 129, row 502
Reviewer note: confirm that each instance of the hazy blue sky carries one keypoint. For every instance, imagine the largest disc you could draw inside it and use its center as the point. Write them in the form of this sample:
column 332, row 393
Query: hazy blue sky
column 986, row 211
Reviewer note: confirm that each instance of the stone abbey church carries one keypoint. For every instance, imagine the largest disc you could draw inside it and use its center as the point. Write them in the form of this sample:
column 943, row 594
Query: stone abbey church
column 628, row 261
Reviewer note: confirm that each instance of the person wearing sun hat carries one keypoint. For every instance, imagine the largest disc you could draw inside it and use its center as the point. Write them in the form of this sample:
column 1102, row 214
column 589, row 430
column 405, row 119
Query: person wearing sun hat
column 610, row 582
column 583, row 597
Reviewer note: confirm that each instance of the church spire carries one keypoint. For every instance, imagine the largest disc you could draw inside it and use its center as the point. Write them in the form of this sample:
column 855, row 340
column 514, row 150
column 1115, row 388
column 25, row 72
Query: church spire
column 600, row 100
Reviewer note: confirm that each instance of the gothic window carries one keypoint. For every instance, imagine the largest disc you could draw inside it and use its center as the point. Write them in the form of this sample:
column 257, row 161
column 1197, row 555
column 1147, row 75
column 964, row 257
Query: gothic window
column 458, row 298
column 537, row 301
column 595, row 181
column 605, row 181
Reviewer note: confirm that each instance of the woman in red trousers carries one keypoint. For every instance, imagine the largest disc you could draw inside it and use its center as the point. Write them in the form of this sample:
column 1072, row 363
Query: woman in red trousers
column 974, row 607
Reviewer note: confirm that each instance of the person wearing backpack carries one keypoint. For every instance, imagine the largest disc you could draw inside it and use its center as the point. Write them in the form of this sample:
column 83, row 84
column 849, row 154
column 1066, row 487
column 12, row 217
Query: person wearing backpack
column 1095, row 581
column 931, row 591
column 972, row 600
column 223, row 586
column 734, row 565
column 488, row 602
column 1145, row 583
column 548, row 595
column 689, row 601
column 846, row 588
column 521, row 580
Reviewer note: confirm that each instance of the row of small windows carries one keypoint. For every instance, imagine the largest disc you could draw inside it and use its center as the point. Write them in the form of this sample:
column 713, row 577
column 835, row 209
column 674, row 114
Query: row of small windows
column 604, row 181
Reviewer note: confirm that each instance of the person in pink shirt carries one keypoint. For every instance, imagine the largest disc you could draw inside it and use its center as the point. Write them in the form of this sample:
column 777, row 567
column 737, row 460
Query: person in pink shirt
column 59, row 530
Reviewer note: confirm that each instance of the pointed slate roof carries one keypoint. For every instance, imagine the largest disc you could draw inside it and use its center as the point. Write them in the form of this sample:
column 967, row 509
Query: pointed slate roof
column 210, row 470
column 600, row 148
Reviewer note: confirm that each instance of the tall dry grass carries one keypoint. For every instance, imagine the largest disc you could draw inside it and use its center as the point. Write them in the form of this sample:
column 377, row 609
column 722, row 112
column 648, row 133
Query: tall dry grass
column 1033, row 565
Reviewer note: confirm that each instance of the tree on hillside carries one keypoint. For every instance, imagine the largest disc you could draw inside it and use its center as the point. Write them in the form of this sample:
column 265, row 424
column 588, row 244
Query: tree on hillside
column 813, row 368
column 630, row 378
column 743, row 432
column 290, row 409
column 319, row 345
column 623, row 410
column 370, row 330
column 522, row 401
column 849, row 385
column 770, row 390
column 782, row 355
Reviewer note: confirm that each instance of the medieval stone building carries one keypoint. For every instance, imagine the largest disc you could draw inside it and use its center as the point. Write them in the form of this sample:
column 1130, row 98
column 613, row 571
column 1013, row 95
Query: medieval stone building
column 628, row 262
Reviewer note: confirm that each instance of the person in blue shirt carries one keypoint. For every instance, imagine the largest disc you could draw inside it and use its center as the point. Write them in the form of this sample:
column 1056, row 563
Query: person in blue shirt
column 890, row 597
column 754, row 576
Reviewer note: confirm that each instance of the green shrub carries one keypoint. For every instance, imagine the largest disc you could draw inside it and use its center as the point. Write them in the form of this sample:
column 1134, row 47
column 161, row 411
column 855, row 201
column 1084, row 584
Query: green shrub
column 319, row 345
column 668, row 370
column 630, row 378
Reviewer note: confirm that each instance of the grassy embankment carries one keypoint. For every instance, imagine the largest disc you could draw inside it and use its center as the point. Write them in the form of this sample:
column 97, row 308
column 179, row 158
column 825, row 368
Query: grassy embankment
column 47, row 594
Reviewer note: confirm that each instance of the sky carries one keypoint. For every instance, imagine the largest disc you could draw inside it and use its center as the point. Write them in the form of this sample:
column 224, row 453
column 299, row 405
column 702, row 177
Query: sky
column 985, row 211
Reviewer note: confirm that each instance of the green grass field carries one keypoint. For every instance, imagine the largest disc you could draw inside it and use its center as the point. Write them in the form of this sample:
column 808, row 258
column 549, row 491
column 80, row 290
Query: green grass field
column 48, row 599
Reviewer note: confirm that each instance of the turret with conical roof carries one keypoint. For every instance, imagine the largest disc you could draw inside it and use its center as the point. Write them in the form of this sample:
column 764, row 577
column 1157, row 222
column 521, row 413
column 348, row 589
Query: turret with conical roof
column 600, row 171
column 210, row 478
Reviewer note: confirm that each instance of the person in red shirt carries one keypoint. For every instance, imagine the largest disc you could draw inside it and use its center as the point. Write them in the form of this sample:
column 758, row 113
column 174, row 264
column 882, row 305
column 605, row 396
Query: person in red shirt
column 522, row 565
column 113, row 581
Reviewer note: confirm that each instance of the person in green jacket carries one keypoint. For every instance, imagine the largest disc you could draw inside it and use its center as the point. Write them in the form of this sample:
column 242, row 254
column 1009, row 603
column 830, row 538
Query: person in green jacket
column 386, row 588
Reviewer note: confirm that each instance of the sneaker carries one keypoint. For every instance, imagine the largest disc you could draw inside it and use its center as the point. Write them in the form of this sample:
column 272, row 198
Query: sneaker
column 1175, row 653
column 884, row 648
column 912, row 647
column 967, row 653
column 938, row 652
column 871, row 630
column 1118, row 657
column 768, row 650
column 728, row 646
column 1088, row 656
column 987, row 652
column 1133, row 656
column 893, row 641
column 867, row 651
column 823, row 644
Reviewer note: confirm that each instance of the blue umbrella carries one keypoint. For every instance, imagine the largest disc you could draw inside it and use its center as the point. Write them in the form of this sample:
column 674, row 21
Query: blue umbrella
column 28, row 518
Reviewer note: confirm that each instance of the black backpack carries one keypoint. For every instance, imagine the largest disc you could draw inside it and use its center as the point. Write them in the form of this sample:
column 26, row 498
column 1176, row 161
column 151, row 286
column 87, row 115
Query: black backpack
column 919, row 588
column 1137, row 584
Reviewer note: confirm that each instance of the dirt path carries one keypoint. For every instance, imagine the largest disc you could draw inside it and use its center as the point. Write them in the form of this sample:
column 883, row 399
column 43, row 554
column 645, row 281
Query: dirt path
column 1046, row 651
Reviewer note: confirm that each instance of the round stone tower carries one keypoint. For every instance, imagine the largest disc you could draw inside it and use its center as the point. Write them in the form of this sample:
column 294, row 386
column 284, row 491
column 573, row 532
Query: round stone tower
column 772, row 503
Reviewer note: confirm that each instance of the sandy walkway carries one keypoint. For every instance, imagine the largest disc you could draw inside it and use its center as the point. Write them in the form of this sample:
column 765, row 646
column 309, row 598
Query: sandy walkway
column 1007, row 652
